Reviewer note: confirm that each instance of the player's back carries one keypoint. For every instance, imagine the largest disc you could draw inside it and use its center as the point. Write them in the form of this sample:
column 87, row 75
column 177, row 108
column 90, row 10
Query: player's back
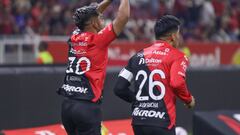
column 87, row 61
column 158, row 57
column 86, row 46
column 155, row 99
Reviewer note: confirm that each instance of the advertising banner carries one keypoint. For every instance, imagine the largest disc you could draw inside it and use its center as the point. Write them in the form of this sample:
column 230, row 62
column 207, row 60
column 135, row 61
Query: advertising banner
column 201, row 54
column 111, row 127
column 114, row 127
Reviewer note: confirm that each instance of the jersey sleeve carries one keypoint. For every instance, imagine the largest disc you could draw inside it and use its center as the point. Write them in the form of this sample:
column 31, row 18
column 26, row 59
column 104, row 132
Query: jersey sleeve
column 127, row 72
column 105, row 36
column 121, row 88
column 177, row 79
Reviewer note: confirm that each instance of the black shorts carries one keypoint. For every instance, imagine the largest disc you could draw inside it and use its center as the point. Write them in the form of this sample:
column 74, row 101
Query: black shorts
column 152, row 130
column 81, row 117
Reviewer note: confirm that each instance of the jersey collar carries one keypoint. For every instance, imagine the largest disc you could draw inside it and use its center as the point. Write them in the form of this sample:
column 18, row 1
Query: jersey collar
column 162, row 43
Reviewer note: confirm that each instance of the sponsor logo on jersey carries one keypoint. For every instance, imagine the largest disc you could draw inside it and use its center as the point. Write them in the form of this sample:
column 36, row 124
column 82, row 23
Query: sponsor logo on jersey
column 69, row 88
column 165, row 52
column 148, row 105
column 141, row 61
column 44, row 132
column 79, row 43
column 181, row 73
column 74, row 78
column 77, row 51
column 140, row 54
column 148, row 113
column 184, row 65
column 82, row 43
column 149, row 61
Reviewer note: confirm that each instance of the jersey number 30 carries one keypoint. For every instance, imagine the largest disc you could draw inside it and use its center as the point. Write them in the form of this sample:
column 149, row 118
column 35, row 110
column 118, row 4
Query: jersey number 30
column 77, row 71
column 151, row 85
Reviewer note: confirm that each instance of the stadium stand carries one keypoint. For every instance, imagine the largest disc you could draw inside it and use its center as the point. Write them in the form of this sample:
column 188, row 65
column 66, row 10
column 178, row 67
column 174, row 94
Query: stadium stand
column 204, row 20
column 211, row 33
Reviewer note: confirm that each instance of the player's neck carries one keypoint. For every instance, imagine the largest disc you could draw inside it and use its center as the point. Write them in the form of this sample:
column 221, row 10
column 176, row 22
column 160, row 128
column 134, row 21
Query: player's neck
column 170, row 42
column 90, row 29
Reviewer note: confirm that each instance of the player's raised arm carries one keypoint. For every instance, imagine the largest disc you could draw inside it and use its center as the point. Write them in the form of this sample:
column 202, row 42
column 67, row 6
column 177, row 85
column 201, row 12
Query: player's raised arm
column 103, row 5
column 122, row 17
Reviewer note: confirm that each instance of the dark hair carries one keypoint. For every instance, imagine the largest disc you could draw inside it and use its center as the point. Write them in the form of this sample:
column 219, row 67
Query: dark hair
column 43, row 46
column 83, row 14
column 165, row 25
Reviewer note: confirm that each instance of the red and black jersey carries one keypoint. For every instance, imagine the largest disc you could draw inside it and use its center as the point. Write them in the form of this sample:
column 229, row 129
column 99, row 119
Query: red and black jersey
column 158, row 73
column 87, row 61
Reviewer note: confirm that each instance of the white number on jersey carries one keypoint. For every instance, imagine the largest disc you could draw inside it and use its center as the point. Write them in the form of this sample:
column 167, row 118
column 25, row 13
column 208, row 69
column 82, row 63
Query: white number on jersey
column 77, row 71
column 151, row 85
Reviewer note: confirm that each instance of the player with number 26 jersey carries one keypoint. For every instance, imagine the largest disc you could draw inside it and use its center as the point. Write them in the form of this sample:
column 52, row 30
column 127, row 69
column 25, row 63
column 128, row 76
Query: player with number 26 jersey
column 158, row 75
column 158, row 78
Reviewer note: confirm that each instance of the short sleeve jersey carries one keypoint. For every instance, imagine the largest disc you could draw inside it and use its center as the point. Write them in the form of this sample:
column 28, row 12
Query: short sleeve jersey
column 87, row 61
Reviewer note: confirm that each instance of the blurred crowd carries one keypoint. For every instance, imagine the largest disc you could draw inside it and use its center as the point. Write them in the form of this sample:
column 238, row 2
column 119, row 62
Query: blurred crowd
column 203, row 20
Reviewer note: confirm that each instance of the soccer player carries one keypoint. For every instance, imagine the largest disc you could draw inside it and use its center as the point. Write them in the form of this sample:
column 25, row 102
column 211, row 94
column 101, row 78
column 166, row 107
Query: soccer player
column 87, row 61
column 158, row 73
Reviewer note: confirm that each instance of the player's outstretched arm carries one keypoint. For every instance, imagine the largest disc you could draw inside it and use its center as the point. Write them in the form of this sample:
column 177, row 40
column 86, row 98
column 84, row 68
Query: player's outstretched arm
column 122, row 17
column 103, row 5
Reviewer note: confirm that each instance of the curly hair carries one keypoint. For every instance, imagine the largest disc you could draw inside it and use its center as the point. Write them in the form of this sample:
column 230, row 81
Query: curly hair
column 82, row 15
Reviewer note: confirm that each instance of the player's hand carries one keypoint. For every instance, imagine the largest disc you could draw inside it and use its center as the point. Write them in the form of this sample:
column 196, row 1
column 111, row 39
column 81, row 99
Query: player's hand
column 191, row 104
column 103, row 5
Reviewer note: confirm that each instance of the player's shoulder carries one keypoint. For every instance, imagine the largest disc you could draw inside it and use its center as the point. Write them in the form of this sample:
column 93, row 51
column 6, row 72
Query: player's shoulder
column 82, row 37
column 135, row 61
column 108, row 27
column 137, row 57
column 177, row 53
column 139, row 54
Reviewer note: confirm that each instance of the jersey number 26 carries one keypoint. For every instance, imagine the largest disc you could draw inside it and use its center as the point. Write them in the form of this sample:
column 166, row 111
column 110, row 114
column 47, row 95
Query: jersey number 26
column 151, row 85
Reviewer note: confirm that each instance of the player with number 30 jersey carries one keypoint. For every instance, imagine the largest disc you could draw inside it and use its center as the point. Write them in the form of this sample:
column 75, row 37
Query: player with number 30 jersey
column 86, row 71
column 87, row 64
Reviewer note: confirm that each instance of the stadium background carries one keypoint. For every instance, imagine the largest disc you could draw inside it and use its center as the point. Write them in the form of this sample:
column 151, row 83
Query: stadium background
column 211, row 35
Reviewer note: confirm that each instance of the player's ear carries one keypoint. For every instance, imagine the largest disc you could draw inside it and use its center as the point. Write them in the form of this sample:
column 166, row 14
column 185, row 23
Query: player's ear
column 174, row 36
column 175, row 39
